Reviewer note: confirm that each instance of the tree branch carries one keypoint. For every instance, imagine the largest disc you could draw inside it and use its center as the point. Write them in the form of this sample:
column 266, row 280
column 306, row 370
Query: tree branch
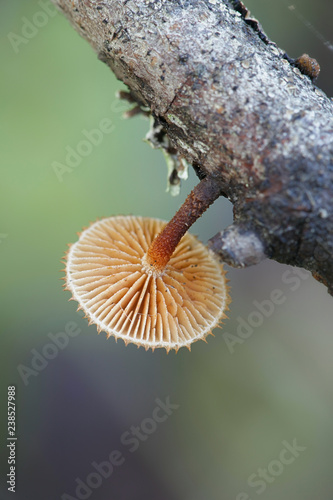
column 238, row 109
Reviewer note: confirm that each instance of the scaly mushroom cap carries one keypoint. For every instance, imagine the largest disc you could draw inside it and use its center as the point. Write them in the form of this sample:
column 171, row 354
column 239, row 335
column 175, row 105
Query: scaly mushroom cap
column 109, row 276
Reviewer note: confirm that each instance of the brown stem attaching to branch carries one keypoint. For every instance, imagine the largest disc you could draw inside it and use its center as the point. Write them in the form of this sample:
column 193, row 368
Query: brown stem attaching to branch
column 197, row 202
column 233, row 104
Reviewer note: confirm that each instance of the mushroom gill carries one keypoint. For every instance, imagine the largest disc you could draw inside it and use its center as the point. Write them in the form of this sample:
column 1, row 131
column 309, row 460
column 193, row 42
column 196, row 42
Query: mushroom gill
column 111, row 274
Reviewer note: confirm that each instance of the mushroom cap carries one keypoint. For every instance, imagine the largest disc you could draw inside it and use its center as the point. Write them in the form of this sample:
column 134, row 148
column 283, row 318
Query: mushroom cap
column 108, row 275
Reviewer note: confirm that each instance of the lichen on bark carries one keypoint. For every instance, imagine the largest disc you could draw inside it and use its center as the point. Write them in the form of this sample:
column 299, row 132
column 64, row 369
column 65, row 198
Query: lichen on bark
column 235, row 107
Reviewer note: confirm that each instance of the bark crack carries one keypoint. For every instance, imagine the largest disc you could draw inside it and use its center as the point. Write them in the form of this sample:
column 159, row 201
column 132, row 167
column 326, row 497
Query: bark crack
column 236, row 107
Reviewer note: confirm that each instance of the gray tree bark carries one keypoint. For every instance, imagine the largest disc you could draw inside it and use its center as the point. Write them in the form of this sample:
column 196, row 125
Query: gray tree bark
column 238, row 109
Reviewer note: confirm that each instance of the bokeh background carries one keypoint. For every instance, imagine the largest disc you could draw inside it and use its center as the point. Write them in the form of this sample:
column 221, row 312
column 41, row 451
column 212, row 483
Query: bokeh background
column 239, row 402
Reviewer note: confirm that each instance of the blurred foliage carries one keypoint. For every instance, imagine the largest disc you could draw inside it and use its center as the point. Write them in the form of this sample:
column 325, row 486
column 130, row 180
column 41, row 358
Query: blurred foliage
column 236, row 408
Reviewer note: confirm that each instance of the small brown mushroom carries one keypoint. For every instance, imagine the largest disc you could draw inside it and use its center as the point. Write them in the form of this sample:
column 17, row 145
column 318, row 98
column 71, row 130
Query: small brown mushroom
column 308, row 66
column 141, row 280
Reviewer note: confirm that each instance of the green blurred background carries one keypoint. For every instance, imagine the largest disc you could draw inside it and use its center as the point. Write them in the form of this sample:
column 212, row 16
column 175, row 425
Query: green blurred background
column 238, row 402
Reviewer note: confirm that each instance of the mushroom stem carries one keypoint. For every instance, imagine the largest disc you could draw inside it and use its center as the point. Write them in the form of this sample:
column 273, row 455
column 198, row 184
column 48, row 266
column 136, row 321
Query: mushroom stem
column 197, row 202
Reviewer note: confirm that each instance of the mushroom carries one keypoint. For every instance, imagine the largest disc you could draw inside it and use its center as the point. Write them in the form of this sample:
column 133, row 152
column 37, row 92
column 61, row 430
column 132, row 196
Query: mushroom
column 148, row 282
